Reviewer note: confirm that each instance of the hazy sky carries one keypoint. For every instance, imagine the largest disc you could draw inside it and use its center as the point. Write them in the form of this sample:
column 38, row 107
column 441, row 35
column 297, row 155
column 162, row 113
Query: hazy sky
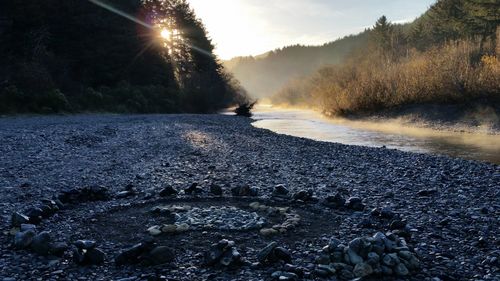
column 252, row 27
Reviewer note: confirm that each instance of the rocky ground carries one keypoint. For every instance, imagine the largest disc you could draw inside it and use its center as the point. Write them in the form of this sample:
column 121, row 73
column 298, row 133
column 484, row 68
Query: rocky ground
column 291, row 209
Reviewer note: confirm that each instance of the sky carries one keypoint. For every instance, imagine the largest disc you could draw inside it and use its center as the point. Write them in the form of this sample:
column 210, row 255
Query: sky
column 253, row 27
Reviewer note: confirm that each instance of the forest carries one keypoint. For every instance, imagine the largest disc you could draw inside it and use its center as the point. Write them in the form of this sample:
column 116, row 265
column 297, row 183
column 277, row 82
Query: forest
column 134, row 56
column 264, row 75
column 449, row 55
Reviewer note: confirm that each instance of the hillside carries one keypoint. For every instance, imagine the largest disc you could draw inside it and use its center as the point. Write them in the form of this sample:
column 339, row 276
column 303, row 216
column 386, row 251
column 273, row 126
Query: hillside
column 448, row 56
column 264, row 75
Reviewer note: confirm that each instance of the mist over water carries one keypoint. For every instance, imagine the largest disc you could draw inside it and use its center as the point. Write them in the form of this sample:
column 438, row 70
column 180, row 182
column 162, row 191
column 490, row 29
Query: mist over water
column 312, row 125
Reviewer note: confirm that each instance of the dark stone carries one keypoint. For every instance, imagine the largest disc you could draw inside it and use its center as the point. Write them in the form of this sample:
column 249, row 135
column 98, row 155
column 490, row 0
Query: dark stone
column 193, row 188
column 336, row 201
column 387, row 213
column 46, row 211
column 245, row 190
column 280, row 190
column 25, row 227
column 303, row 195
column 85, row 244
column 215, row 189
column 94, row 256
column 78, row 256
column 41, row 243
column 397, row 224
column 17, row 219
column 35, row 215
column 23, row 239
column 427, row 192
column 85, row 194
column 223, row 253
column 355, row 204
column 133, row 254
column 283, row 254
column 58, row 249
column 284, row 276
column 231, row 257
column 266, row 251
column 168, row 191
column 161, row 255
column 125, row 193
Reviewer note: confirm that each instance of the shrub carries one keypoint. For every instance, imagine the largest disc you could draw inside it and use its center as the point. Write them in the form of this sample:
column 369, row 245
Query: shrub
column 443, row 74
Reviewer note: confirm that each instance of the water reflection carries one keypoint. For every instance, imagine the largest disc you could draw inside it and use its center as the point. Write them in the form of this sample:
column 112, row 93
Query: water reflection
column 308, row 124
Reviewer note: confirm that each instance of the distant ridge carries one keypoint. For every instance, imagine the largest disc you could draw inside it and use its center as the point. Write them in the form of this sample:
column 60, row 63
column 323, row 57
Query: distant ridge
column 264, row 74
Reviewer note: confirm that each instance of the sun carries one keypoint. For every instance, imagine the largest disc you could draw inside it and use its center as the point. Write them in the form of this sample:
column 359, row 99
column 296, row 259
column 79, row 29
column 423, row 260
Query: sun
column 165, row 34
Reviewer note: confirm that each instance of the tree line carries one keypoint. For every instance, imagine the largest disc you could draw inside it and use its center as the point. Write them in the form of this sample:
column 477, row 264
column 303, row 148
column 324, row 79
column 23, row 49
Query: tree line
column 448, row 55
column 76, row 56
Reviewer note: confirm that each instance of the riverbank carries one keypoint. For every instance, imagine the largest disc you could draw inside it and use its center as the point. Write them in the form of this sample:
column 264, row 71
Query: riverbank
column 477, row 117
column 447, row 208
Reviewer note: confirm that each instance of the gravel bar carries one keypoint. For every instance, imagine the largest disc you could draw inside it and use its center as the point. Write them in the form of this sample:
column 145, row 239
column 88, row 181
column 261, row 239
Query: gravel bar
column 451, row 207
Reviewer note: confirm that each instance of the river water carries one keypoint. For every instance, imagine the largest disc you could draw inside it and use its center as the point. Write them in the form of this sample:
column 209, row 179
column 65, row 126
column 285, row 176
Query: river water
column 312, row 125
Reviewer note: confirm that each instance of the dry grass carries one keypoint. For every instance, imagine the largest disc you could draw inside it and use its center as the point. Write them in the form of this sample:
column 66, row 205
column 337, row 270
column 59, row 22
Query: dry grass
column 454, row 73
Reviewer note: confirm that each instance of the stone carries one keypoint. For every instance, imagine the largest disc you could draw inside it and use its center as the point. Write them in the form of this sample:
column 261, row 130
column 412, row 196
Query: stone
column 25, row 227
column 346, row 274
column 427, row 192
column 41, row 243
column 373, row 259
column 216, row 190
column 283, row 276
column 390, row 260
column 23, row 239
column 355, row 204
column 401, row 270
column 35, row 215
column 303, row 195
column 268, row 231
column 387, row 213
column 169, row 228
column 230, row 257
column 352, row 257
column 280, row 190
column 386, row 270
column 94, row 256
column 125, row 194
column 330, row 270
column 407, row 255
column 17, row 219
column 131, row 255
column 223, row 253
column 263, row 254
column 85, row 244
column 78, row 256
column 168, row 191
column 397, row 224
column 58, row 249
column 193, row 188
column 154, row 230
column 183, row 227
column 334, row 243
column 360, row 246
column 336, row 201
column 282, row 254
column 161, row 255
column 245, row 190
column 362, row 270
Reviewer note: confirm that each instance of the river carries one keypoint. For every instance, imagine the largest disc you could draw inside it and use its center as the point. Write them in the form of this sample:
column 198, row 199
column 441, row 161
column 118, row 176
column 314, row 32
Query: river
column 312, row 125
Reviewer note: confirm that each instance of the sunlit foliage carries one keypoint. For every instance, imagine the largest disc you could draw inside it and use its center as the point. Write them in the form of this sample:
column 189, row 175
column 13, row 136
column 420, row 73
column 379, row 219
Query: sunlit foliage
column 446, row 56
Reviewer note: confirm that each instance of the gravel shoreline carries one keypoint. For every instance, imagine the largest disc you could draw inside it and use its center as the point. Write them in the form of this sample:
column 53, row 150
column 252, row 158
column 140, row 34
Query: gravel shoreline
column 451, row 206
